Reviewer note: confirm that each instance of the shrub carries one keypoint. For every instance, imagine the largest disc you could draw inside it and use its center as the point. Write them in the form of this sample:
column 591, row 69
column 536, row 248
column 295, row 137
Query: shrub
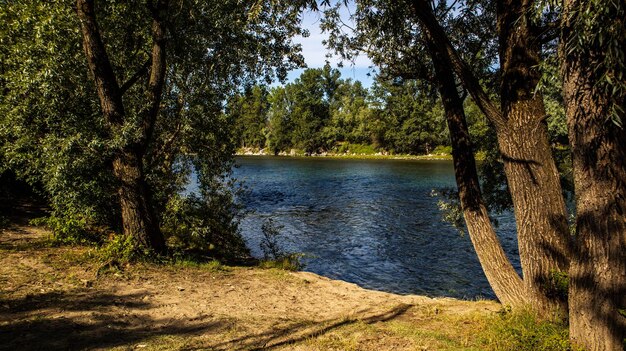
column 70, row 229
column 206, row 225
column 442, row 150
column 274, row 256
column 120, row 250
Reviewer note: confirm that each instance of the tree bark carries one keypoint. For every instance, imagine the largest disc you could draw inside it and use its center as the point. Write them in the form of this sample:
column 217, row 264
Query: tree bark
column 156, row 81
column 138, row 218
column 597, row 290
column 502, row 277
column 532, row 175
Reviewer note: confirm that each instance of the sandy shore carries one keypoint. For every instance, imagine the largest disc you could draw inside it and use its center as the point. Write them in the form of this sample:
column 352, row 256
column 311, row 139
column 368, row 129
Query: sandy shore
column 52, row 298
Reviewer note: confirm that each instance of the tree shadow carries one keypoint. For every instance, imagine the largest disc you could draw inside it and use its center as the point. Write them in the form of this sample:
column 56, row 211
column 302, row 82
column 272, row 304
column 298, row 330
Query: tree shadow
column 297, row 332
column 83, row 320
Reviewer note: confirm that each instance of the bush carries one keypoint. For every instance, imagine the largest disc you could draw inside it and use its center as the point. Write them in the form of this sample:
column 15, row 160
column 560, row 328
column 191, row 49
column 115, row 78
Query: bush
column 120, row 250
column 274, row 256
column 70, row 230
column 205, row 226
column 356, row 149
column 442, row 150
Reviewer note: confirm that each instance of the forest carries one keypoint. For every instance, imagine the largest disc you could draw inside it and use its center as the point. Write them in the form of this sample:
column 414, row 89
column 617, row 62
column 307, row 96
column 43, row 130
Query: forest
column 320, row 112
column 109, row 109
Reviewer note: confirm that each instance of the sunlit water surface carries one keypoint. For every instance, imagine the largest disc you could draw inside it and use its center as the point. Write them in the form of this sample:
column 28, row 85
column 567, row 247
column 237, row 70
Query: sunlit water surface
column 370, row 222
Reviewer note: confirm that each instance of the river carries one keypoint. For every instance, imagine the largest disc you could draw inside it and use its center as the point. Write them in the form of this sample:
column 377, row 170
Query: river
column 370, row 222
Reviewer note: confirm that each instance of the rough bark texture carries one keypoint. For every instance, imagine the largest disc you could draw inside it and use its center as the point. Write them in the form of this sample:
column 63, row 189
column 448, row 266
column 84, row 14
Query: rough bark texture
column 156, row 81
column 598, row 271
column 532, row 175
column 138, row 218
column 502, row 277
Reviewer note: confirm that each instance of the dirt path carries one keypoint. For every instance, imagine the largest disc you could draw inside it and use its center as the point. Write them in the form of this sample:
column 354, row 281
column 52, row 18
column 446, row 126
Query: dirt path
column 50, row 298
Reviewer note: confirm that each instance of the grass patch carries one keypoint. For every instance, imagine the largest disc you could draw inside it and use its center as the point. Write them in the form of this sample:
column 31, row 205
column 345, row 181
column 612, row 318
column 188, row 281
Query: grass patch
column 522, row 331
column 290, row 262
column 212, row 265
column 425, row 339
column 503, row 331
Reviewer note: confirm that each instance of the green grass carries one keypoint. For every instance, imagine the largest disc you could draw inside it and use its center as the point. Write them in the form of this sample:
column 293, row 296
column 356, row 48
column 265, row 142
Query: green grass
column 289, row 262
column 212, row 265
column 522, row 331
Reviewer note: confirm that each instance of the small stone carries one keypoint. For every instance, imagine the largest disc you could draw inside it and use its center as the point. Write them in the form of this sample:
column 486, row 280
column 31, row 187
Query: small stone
column 180, row 288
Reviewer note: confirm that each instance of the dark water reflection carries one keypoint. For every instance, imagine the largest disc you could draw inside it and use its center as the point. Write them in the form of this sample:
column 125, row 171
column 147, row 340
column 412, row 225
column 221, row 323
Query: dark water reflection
column 371, row 222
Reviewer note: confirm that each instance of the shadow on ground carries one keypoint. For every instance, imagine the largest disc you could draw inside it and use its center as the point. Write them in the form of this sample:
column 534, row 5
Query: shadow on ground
column 83, row 321
column 298, row 332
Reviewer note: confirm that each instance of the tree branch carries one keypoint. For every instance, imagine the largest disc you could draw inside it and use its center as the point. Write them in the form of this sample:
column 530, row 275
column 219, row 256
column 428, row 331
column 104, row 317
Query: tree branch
column 158, row 66
column 135, row 77
column 99, row 64
column 430, row 24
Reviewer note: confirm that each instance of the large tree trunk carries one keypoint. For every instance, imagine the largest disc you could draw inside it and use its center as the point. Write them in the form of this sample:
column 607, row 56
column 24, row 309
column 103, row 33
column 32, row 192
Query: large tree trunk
column 138, row 218
column 502, row 277
column 598, row 272
column 532, row 175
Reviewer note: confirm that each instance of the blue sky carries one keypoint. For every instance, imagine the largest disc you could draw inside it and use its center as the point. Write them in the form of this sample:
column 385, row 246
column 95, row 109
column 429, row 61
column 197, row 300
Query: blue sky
column 315, row 53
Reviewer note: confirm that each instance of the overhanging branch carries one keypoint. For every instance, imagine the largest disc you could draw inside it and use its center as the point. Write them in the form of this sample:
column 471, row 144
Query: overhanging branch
column 427, row 18
column 135, row 77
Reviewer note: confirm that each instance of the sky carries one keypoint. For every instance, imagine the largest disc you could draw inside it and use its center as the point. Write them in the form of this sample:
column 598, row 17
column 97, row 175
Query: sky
column 315, row 53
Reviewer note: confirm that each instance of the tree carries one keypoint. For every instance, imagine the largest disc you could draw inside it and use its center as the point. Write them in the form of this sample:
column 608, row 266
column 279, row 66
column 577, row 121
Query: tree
column 280, row 123
column 420, row 58
column 532, row 175
column 506, row 283
column 594, row 73
column 138, row 217
column 350, row 115
column 300, row 112
column 250, row 116
column 390, row 33
column 149, row 112
column 414, row 122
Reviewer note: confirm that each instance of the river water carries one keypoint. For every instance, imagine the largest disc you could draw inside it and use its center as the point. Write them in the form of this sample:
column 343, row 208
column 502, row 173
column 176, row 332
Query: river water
column 370, row 222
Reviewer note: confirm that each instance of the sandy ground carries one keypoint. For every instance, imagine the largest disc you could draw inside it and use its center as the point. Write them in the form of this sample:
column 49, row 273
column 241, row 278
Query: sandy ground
column 52, row 299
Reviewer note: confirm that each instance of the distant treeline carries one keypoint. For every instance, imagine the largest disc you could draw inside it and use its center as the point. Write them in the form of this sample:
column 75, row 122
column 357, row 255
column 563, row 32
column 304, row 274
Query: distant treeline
column 321, row 112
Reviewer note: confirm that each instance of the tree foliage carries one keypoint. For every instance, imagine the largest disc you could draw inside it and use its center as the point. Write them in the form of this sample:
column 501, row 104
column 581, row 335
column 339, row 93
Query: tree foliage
column 52, row 128
column 321, row 112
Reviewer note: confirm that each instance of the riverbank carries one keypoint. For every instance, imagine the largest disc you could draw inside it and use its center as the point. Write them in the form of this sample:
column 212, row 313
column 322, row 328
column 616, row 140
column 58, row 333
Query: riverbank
column 53, row 298
column 378, row 155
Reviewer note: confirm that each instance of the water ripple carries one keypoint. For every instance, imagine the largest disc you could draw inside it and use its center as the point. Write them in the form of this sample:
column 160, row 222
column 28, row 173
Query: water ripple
column 370, row 222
